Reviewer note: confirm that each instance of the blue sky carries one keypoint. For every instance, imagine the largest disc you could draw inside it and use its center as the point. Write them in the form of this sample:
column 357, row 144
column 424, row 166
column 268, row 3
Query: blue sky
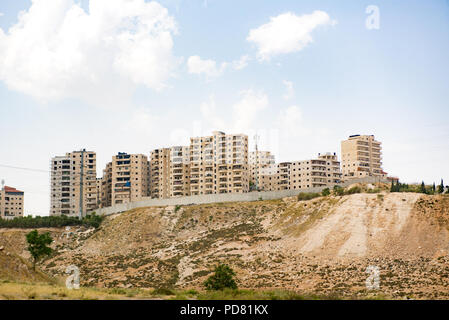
column 75, row 74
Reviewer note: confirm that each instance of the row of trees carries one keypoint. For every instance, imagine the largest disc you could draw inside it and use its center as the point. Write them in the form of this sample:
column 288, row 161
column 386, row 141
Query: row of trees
column 51, row 222
column 403, row 187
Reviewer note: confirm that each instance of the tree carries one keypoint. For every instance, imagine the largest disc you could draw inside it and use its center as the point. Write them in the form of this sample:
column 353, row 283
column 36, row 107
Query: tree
column 37, row 245
column 222, row 278
column 423, row 188
column 326, row 192
column 392, row 189
column 433, row 188
column 441, row 187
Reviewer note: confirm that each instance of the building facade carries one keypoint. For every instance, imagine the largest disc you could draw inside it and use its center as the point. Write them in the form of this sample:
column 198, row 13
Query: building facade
column 106, row 186
column 170, row 172
column 361, row 157
column 318, row 172
column 73, row 183
column 258, row 161
column 219, row 164
column 11, row 203
column 129, row 175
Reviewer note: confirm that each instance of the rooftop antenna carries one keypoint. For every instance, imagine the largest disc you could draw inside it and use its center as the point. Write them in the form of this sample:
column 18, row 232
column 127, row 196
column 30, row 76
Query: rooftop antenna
column 256, row 139
column 3, row 183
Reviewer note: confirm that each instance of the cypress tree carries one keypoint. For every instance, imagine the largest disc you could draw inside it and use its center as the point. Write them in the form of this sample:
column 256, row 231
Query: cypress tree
column 441, row 187
column 423, row 188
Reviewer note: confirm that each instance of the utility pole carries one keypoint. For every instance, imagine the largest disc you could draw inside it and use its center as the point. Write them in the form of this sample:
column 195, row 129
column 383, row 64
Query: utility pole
column 2, row 199
column 256, row 139
column 81, row 184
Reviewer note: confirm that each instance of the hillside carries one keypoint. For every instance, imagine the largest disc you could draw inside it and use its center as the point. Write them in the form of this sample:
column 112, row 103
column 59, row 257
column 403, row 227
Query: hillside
column 320, row 246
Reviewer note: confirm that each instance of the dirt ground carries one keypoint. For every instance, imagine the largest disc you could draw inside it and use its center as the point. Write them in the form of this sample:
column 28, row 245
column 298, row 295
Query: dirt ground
column 321, row 246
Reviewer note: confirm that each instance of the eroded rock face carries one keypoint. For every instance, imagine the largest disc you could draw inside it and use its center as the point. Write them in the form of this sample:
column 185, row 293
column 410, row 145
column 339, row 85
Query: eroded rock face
column 323, row 245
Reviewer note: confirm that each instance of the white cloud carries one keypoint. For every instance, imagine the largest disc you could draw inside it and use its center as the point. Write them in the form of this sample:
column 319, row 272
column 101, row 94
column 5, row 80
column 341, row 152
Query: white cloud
column 290, row 91
column 286, row 33
column 246, row 110
column 196, row 65
column 1, row 14
column 210, row 68
column 210, row 114
column 289, row 122
column 241, row 63
column 57, row 50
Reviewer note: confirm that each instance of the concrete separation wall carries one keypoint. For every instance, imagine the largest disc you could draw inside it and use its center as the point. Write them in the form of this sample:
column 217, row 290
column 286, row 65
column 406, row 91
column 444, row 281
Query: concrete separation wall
column 223, row 197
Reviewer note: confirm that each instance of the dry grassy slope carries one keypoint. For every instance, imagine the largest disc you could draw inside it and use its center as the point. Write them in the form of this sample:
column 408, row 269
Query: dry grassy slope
column 322, row 245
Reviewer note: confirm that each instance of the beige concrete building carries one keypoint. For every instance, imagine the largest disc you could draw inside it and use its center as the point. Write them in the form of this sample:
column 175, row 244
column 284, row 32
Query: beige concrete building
column 219, row 164
column 99, row 188
column 361, row 156
column 73, row 183
column 129, row 175
column 170, row 172
column 106, row 186
column 11, row 203
column 258, row 161
column 321, row 171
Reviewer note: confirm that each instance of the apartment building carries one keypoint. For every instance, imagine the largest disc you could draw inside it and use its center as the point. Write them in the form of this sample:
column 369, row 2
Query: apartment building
column 106, row 186
column 73, row 183
column 98, row 190
column 361, row 157
column 126, row 178
column 219, row 164
column 258, row 161
column 318, row 172
column 11, row 203
column 170, row 172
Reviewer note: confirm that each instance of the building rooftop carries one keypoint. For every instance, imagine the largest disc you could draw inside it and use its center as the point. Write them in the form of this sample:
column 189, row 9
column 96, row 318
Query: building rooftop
column 11, row 189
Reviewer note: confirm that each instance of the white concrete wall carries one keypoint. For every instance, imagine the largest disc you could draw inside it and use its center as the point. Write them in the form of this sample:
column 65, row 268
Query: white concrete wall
column 224, row 197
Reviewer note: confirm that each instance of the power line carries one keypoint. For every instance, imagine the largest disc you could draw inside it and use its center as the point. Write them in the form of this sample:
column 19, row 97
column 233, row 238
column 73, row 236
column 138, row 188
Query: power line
column 23, row 168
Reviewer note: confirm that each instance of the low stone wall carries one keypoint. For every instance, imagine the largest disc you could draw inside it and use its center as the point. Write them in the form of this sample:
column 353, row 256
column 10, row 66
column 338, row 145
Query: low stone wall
column 222, row 197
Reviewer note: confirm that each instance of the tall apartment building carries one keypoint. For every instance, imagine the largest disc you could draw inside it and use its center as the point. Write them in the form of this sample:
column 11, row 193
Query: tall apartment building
column 11, row 203
column 106, row 186
column 170, row 172
column 319, row 172
column 126, row 179
column 258, row 161
column 98, row 190
column 219, row 164
column 361, row 156
column 73, row 183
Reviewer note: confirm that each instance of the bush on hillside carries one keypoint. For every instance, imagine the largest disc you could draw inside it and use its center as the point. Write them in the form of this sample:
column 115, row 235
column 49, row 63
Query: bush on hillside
column 354, row 190
column 326, row 192
column 222, row 278
column 303, row 196
column 339, row 191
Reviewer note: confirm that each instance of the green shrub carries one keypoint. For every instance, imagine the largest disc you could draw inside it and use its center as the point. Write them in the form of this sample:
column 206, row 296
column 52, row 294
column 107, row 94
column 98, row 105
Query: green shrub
column 308, row 196
column 353, row 190
column 339, row 191
column 326, row 192
column 222, row 278
column 177, row 208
